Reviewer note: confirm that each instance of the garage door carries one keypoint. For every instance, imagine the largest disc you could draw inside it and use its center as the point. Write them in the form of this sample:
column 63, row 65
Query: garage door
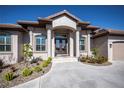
column 118, row 51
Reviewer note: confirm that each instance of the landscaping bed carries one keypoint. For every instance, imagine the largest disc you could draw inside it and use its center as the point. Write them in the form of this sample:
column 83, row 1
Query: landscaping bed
column 22, row 72
column 96, row 64
column 95, row 59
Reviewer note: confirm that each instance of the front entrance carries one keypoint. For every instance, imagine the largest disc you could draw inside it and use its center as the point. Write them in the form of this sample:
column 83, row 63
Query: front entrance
column 61, row 44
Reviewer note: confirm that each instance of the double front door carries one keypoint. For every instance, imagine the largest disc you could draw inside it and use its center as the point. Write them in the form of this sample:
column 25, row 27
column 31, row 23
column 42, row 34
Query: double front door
column 61, row 44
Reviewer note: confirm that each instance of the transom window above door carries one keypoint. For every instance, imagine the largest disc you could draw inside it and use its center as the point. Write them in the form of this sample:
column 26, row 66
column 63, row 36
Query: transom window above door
column 40, row 43
column 5, row 43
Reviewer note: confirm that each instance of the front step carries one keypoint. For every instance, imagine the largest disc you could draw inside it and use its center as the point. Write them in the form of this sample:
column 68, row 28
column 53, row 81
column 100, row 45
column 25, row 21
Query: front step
column 64, row 59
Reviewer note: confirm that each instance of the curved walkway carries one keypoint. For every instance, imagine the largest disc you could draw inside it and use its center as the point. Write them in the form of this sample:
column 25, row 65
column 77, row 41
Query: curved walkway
column 76, row 74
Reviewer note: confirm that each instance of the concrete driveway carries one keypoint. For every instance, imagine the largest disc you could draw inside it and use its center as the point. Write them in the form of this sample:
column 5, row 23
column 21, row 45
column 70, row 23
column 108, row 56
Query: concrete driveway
column 78, row 75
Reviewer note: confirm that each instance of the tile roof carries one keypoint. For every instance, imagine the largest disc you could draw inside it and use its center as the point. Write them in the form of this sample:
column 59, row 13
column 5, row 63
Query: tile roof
column 11, row 27
column 103, row 32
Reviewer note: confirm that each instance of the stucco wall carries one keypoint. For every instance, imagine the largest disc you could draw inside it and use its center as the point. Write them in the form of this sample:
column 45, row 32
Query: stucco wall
column 64, row 21
column 13, row 56
column 84, row 34
column 101, row 44
column 38, row 31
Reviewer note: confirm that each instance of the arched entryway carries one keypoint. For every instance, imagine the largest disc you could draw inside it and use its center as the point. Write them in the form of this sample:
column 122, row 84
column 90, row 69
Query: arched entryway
column 63, row 41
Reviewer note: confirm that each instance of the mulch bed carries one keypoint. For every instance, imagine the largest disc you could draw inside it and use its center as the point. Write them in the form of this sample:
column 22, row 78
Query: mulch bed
column 96, row 64
column 19, row 79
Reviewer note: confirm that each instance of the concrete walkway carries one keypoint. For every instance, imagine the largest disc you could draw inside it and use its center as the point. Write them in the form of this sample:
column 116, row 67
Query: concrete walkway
column 76, row 74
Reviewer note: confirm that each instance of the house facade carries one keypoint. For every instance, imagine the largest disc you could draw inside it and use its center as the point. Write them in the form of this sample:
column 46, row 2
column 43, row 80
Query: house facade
column 61, row 34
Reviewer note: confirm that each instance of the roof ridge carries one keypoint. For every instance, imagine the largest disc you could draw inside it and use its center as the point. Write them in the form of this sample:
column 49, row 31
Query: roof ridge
column 61, row 12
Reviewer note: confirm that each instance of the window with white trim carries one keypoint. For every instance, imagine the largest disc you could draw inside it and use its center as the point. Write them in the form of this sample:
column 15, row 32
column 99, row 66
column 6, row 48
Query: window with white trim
column 5, row 43
column 82, row 43
column 40, row 43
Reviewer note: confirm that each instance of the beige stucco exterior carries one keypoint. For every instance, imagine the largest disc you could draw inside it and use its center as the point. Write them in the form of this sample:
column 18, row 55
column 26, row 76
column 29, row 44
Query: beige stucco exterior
column 101, row 44
column 15, row 54
column 62, row 24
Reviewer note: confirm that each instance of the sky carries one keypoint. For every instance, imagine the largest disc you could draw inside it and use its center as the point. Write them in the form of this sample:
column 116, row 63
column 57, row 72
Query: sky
column 108, row 17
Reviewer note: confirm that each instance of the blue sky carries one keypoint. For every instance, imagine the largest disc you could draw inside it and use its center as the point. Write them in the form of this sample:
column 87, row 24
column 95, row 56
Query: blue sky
column 104, row 16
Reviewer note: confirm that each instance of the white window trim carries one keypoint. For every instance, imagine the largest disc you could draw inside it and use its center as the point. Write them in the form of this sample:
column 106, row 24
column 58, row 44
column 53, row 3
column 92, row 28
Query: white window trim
column 35, row 51
column 82, row 51
column 6, row 52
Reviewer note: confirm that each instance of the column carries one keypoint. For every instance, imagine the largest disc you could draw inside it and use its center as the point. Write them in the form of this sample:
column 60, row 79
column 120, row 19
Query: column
column 71, row 44
column 31, row 38
column 49, row 40
column 77, row 43
column 15, row 49
column 53, row 44
column 88, row 41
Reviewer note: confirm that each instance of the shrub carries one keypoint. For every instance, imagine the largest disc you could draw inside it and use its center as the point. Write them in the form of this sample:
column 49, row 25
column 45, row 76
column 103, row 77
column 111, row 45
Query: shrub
column 98, row 59
column 37, row 69
column 35, row 60
column 45, row 63
column 49, row 59
column 101, row 59
column 83, row 59
column 39, row 59
column 8, row 76
column 27, row 51
column 95, row 52
column 89, row 60
column 1, row 63
column 26, row 72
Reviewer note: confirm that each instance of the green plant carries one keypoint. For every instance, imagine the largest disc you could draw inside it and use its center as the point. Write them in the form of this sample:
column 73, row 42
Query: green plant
column 8, row 76
column 37, row 69
column 34, row 60
column 39, row 59
column 26, row 72
column 49, row 59
column 101, row 59
column 44, row 63
column 83, row 59
column 27, row 51
column 98, row 59
column 95, row 52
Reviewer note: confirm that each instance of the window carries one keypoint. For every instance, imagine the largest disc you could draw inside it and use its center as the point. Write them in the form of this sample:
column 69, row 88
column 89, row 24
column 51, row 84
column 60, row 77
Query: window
column 82, row 43
column 5, row 43
column 40, row 43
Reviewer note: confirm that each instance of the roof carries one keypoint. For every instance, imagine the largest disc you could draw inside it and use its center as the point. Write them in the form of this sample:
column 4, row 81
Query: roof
column 61, row 13
column 11, row 27
column 44, row 20
column 83, row 23
column 22, row 22
column 92, row 27
column 103, row 32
